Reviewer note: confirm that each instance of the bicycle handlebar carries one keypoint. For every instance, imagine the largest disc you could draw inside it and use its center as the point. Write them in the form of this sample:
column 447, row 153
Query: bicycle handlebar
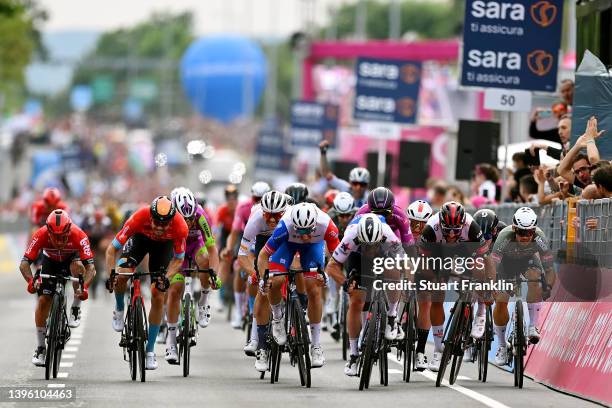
column 68, row 278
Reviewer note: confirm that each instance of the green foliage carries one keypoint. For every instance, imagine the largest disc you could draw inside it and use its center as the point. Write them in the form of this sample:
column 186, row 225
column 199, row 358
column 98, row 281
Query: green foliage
column 19, row 39
column 426, row 18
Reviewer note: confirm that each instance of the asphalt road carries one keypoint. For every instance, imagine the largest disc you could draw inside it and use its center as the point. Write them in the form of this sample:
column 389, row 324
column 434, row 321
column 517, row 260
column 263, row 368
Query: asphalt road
column 221, row 375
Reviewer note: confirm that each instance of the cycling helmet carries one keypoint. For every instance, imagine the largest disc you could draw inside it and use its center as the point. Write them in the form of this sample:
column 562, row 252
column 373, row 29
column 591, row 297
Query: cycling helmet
column 381, row 199
column 298, row 192
column 419, row 210
column 304, row 216
column 359, row 175
column 330, row 195
column 525, row 218
column 487, row 220
column 175, row 191
column 58, row 223
column 51, row 196
column 185, row 203
column 370, row 229
column 452, row 215
column 162, row 209
column 259, row 189
column 274, row 202
column 344, row 203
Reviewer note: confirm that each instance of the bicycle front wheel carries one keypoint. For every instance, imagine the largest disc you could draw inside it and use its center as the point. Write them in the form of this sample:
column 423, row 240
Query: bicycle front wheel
column 409, row 340
column 303, row 341
column 519, row 346
column 452, row 338
column 345, row 336
column 140, row 338
column 464, row 330
column 60, row 337
column 369, row 346
column 52, row 336
column 186, row 335
column 485, row 346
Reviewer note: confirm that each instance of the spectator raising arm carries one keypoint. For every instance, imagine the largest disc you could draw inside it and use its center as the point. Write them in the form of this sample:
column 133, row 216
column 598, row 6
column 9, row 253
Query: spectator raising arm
column 334, row 182
column 587, row 140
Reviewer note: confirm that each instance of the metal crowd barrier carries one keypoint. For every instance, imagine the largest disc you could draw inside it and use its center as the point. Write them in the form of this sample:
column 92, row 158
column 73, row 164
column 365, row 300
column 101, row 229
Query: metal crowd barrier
column 554, row 220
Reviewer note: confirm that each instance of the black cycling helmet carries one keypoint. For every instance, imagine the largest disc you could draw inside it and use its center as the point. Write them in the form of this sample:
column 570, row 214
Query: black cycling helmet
column 487, row 220
column 381, row 200
column 298, row 192
column 452, row 215
column 162, row 209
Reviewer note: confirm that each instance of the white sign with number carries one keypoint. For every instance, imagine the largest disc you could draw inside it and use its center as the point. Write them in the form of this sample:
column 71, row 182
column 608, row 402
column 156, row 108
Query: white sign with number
column 381, row 130
column 507, row 100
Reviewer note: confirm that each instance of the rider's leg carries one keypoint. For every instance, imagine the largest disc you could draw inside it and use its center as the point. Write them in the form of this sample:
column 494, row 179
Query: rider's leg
column 174, row 305
column 261, row 313
column 437, row 319
column 423, row 320
column 76, row 269
column 40, row 318
column 501, row 315
column 203, row 263
column 534, row 296
column 315, row 309
column 353, row 319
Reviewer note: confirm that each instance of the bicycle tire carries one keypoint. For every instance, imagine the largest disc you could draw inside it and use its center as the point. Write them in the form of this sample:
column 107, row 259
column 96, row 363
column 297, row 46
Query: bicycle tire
column 140, row 338
column 519, row 346
column 485, row 346
column 345, row 336
column 464, row 330
column 186, row 335
column 60, row 338
column 382, row 347
column 367, row 361
column 449, row 343
column 303, row 341
column 272, row 359
column 51, row 337
column 409, row 340
column 130, row 342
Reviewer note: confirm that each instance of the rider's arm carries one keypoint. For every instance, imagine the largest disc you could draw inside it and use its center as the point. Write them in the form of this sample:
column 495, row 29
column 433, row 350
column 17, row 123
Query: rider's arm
column 339, row 184
column 209, row 242
column 87, row 258
column 331, row 236
column 24, row 268
column 278, row 237
column 334, row 270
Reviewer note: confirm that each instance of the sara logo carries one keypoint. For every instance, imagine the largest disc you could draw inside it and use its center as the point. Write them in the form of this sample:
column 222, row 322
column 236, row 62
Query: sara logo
column 543, row 13
column 540, row 62
column 409, row 73
column 406, row 107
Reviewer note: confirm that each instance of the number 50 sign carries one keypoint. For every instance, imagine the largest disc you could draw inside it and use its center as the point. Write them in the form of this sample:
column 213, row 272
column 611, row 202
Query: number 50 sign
column 507, row 100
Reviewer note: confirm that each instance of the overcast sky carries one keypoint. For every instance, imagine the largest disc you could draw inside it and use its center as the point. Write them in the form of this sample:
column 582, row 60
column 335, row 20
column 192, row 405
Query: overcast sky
column 250, row 17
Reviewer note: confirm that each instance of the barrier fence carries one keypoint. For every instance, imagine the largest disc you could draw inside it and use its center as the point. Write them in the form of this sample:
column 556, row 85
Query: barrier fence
column 575, row 352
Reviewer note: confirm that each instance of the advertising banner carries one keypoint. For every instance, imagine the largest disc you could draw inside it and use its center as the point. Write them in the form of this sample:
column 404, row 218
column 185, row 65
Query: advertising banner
column 311, row 122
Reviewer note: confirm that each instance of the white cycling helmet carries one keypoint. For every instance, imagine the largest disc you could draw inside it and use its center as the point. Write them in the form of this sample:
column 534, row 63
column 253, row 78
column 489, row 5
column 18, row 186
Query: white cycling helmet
column 259, row 189
column 304, row 215
column 370, row 229
column 419, row 210
column 185, row 202
column 175, row 191
column 344, row 203
column 525, row 218
column 359, row 175
column 274, row 202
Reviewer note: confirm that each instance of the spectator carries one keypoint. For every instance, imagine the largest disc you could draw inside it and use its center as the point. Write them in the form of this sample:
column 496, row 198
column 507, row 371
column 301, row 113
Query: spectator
column 549, row 188
column 603, row 181
column 567, row 91
column 558, row 110
column 592, row 191
column 528, row 189
column 519, row 160
column 454, row 193
column 486, row 177
column 437, row 196
column 575, row 166
column 564, row 128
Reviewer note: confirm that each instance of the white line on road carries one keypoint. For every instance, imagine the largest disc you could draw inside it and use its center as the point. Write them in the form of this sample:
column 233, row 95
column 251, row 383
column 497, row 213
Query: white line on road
column 74, row 342
column 66, row 364
column 394, row 371
column 465, row 391
column 69, row 356
column 76, row 336
column 62, row 375
column 56, row 385
column 463, row 377
column 71, row 349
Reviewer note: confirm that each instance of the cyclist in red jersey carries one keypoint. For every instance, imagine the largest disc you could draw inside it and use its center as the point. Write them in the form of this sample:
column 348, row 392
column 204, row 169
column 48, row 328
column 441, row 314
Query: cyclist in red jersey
column 224, row 221
column 152, row 230
column 51, row 200
column 230, row 252
column 65, row 250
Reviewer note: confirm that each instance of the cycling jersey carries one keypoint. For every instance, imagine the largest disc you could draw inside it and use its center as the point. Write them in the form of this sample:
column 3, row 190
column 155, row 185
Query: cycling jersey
column 285, row 242
column 225, row 218
column 78, row 244
column 241, row 215
column 470, row 232
column 202, row 228
column 506, row 247
column 255, row 226
column 350, row 242
column 333, row 214
column 40, row 211
column 140, row 223
column 398, row 221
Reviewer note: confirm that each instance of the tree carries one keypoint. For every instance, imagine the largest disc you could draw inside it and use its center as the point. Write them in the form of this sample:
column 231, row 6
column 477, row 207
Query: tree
column 19, row 39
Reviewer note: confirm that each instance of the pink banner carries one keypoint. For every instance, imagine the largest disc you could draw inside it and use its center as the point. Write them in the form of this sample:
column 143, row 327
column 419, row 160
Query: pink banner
column 575, row 351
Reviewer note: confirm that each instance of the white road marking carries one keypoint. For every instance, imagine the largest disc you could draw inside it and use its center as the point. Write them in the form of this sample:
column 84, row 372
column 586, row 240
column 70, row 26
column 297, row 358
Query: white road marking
column 490, row 402
column 66, row 364
column 71, row 349
column 69, row 356
column 76, row 336
column 463, row 377
column 62, row 375
column 56, row 385
column 394, row 371
column 74, row 342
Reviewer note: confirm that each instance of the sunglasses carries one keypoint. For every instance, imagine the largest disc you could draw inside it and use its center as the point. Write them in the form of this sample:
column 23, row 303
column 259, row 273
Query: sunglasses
column 270, row 217
column 356, row 183
column 304, row 231
column 454, row 231
column 345, row 216
column 524, row 232
column 161, row 224
column 582, row 169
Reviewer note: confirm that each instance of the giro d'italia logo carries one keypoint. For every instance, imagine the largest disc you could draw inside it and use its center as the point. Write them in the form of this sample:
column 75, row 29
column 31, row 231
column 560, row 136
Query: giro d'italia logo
column 543, row 13
column 540, row 62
